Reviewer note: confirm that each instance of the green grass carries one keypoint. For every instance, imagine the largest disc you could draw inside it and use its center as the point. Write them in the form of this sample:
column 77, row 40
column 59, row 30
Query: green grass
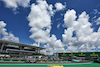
column 50, row 65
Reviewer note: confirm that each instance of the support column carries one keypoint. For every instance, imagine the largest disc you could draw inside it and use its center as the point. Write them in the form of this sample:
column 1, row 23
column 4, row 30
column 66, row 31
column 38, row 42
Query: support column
column 2, row 47
column 36, row 50
column 39, row 50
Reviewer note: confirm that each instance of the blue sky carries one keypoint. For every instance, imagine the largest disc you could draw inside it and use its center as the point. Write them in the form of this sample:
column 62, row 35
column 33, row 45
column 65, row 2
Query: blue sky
column 16, row 15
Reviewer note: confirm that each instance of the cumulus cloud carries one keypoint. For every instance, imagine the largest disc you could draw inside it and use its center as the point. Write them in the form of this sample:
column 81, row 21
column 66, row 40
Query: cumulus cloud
column 59, row 50
column 59, row 6
column 48, row 51
column 2, row 28
column 5, row 35
column 69, row 18
column 15, row 3
column 10, row 37
column 54, row 43
column 84, row 37
column 40, row 21
column 67, row 36
column 72, row 49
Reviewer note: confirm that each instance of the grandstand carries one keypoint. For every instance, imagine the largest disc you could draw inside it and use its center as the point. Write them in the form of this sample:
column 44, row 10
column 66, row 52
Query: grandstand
column 91, row 56
column 17, row 55
column 11, row 51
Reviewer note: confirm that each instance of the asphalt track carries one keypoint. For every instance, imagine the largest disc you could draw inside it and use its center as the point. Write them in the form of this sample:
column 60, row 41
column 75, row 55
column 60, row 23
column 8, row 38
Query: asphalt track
column 53, row 65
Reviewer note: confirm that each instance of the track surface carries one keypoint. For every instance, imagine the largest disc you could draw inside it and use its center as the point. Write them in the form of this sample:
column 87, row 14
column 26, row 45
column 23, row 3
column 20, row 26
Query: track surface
column 52, row 65
column 43, row 62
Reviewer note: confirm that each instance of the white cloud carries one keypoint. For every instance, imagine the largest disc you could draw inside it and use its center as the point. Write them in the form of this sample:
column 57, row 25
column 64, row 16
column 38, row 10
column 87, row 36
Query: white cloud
column 99, row 29
column 5, row 35
column 15, row 3
column 10, row 37
column 87, row 48
column 69, row 18
column 59, row 6
column 59, row 50
column 2, row 28
column 40, row 22
column 67, row 36
column 85, row 38
column 34, row 44
column 72, row 49
column 54, row 43
column 51, row 11
column 48, row 51
column 98, row 21
column 53, row 46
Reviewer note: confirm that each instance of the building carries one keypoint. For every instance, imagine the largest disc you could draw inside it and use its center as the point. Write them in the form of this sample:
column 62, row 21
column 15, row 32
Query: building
column 12, row 50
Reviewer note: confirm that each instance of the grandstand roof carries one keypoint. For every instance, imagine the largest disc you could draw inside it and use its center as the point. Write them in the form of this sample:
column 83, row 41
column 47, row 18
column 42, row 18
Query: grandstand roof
column 20, row 44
